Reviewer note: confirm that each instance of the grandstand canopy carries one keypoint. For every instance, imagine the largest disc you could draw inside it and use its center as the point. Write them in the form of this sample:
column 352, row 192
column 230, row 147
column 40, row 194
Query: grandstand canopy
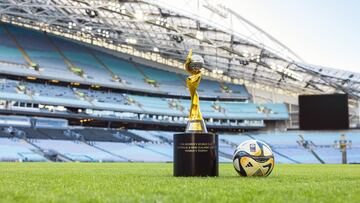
column 155, row 27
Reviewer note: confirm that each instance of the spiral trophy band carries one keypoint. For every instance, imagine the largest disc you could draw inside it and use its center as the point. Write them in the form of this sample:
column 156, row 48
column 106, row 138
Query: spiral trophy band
column 196, row 122
column 196, row 150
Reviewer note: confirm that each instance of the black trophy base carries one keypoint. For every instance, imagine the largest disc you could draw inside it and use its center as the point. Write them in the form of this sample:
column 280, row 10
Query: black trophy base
column 196, row 154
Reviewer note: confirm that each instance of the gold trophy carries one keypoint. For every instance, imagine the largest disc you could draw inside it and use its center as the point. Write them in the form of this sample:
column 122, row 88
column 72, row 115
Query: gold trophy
column 195, row 150
column 193, row 65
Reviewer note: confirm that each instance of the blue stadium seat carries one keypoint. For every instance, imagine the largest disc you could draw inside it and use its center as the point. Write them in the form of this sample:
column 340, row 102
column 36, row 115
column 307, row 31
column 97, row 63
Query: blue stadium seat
column 133, row 152
column 37, row 47
column 77, row 151
column 8, row 49
column 155, row 105
column 17, row 150
column 80, row 56
column 125, row 70
column 238, row 90
column 147, row 135
column 164, row 149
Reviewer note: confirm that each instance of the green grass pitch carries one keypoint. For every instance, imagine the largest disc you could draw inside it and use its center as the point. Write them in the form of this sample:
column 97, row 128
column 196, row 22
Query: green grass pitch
column 147, row 182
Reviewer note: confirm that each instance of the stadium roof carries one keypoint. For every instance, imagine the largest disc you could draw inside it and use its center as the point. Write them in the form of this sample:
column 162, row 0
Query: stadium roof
column 154, row 27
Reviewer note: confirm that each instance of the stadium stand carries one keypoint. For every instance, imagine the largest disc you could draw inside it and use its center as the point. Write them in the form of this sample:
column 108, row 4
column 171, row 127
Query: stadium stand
column 102, row 86
column 110, row 145
column 12, row 90
column 10, row 53
column 147, row 135
column 55, row 67
column 69, row 61
column 18, row 150
column 133, row 152
column 89, row 94
column 76, row 151
column 96, row 99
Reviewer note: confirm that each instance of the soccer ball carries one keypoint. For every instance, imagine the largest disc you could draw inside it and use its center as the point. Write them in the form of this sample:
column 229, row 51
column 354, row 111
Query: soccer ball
column 253, row 158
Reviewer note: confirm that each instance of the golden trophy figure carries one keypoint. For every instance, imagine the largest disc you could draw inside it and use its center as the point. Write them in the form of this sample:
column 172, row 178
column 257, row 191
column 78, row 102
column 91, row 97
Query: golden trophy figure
column 195, row 150
column 193, row 65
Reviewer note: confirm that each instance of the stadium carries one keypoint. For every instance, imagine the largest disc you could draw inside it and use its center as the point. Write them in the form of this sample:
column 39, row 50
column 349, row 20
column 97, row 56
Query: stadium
column 103, row 82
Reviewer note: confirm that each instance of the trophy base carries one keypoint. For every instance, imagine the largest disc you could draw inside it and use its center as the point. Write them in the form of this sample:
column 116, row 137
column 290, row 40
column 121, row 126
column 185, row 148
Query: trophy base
column 196, row 154
column 196, row 126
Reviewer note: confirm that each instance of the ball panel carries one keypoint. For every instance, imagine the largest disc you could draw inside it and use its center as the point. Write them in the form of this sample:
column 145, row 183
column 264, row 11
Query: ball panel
column 250, row 166
column 236, row 164
column 251, row 147
column 267, row 151
column 268, row 166
column 242, row 171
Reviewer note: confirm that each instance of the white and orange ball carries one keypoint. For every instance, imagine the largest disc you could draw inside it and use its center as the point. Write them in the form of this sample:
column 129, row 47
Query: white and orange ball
column 253, row 158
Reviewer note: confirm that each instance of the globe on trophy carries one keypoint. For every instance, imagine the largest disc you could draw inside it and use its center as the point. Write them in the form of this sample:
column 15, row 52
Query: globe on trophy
column 195, row 150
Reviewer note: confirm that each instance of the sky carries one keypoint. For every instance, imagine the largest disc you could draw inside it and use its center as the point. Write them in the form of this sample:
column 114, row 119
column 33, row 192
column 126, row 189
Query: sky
column 322, row 32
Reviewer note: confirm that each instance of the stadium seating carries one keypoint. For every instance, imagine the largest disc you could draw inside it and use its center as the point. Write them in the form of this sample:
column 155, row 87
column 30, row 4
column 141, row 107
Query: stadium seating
column 147, row 135
column 286, row 143
column 82, row 58
column 41, row 51
column 9, row 90
column 156, row 105
column 164, row 149
column 166, row 136
column 95, row 134
column 140, row 92
column 18, row 150
column 37, row 48
column 87, row 98
column 325, row 145
column 9, row 51
column 76, row 151
column 323, row 141
column 32, row 133
column 237, row 89
column 107, row 145
column 125, row 71
column 254, row 111
column 133, row 152
column 57, row 57
column 50, row 91
column 166, row 81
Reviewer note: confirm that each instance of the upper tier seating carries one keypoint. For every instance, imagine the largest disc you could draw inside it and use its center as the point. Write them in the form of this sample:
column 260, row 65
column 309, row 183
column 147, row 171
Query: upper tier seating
column 63, row 59
column 8, row 49
column 82, row 58
column 165, row 80
column 125, row 70
column 42, row 52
